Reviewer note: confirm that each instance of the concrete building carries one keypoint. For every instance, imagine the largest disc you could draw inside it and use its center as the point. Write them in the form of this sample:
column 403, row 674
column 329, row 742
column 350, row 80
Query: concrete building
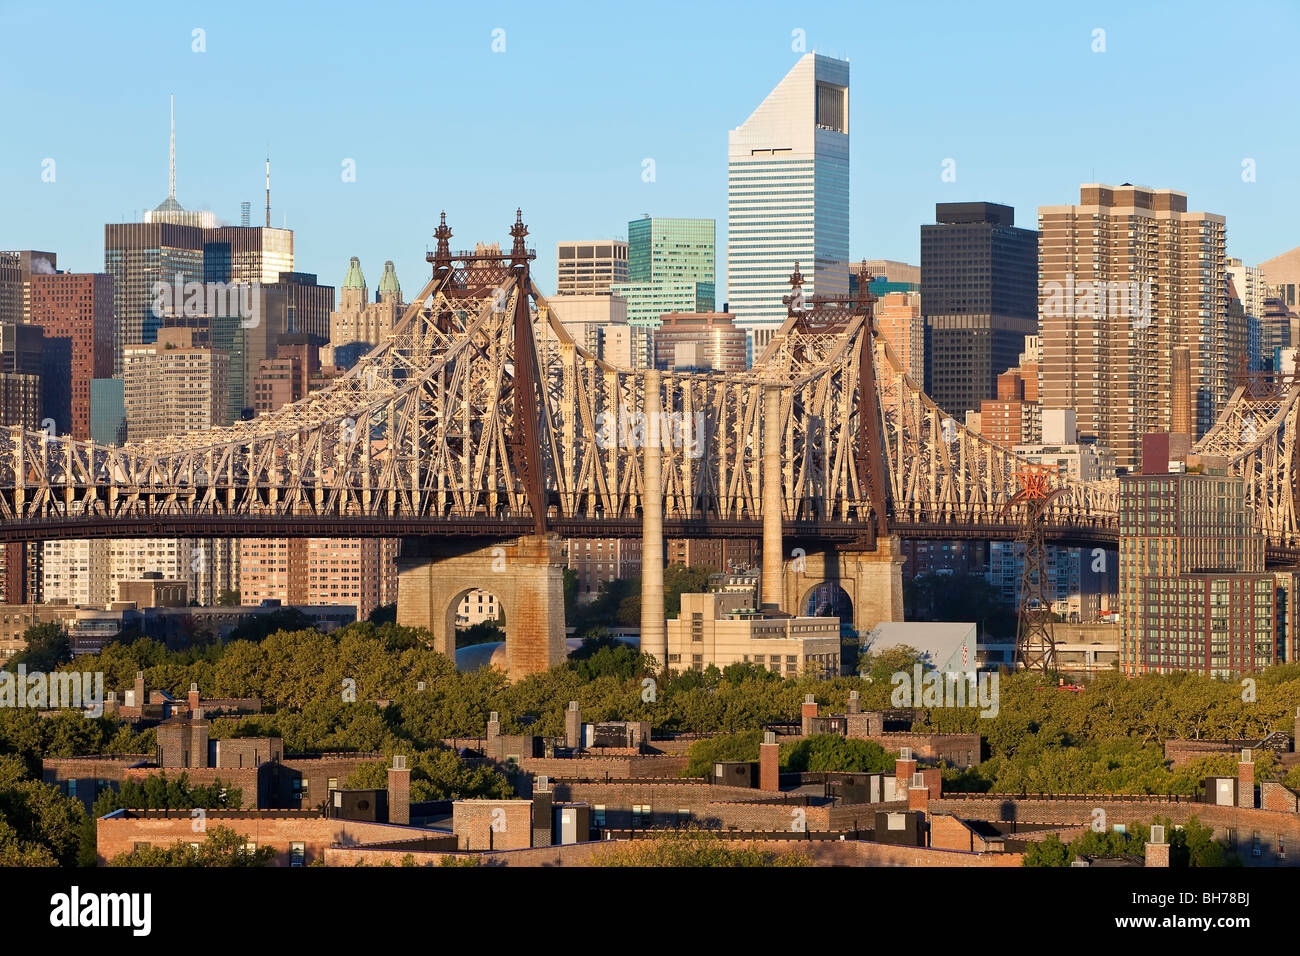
column 140, row 256
column 705, row 341
column 893, row 271
column 597, row 321
column 357, row 320
column 76, row 571
column 589, row 266
column 724, row 627
column 899, row 320
column 22, row 363
column 87, row 572
column 788, row 196
column 477, row 607
column 1282, row 274
column 672, row 267
column 287, row 376
column 308, row 305
column 248, row 324
column 978, row 276
column 16, row 270
column 1129, row 277
column 173, row 386
column 599, row 560
column 75, row 312
column 359, row 572
column 1193, row 591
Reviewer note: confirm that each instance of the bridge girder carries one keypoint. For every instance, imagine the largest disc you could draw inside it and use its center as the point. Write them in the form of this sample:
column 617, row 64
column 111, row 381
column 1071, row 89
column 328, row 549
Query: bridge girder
column 436, row 427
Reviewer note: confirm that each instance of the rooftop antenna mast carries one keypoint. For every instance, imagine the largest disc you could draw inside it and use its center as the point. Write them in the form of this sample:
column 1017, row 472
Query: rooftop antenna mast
column 268, row 186
column 171, row 182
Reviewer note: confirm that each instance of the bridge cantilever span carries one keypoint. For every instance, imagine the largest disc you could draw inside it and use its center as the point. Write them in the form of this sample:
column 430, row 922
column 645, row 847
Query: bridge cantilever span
column 481, row 419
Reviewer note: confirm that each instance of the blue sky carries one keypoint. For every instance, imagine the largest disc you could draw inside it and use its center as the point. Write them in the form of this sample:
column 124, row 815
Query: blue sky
column 561, row 121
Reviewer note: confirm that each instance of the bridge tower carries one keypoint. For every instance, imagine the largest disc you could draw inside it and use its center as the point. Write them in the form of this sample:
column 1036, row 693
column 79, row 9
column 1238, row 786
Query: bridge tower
column 870, row 569
column 525, row 573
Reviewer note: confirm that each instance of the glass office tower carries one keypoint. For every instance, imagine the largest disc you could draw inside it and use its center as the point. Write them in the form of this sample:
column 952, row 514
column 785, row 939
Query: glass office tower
column 788, row 196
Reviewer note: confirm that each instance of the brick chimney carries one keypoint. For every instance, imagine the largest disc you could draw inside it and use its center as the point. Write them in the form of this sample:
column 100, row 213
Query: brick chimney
column 904, row 767
column 1295, row 740
column 199, row 740
column 194, row 697
column 918, row 794
column 137, row 690
column 399, row 791
column 492, row 746
column 808, row 712
column 855, row 703
column 573, row 726
column 1246, row 781
column 1157, row 848
column 933, row 778
column 769, row 763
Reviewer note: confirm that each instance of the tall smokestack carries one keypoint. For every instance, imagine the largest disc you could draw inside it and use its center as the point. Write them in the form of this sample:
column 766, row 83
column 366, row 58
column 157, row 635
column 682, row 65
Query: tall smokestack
column 268, row 187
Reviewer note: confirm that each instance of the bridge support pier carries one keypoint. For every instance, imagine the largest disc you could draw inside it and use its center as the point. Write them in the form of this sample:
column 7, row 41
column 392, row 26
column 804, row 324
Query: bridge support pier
column 873, row 581
column 526, row 575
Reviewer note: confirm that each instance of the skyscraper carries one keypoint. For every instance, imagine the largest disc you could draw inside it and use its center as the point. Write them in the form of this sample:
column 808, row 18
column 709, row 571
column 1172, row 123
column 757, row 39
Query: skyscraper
column 75, row 310
column 590, row 266
column 21, row 368
column 978, row 296
column 174, row 246
column 139, row 256
column 788, row 195
column 169, row 210
column 359, row 322
column 672, row 267
column 1127, row 278
column 174, row 386
column 16, row 271
column 1194, row 594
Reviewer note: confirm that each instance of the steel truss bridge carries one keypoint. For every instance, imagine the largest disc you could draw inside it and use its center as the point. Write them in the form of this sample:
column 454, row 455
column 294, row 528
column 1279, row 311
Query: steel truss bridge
column 481, row 416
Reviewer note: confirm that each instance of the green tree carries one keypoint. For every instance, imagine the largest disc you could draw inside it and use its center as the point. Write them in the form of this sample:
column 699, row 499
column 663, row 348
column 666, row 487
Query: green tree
column 484, row 632
column 705, row 753
column 384, row 614
column 48, row 646
column 436, row 775
column 257, row 627
column 229, row 599
column 1049, row 851
column 38, row 820
column 160, row 792
column 831, row 753
column 221, row 846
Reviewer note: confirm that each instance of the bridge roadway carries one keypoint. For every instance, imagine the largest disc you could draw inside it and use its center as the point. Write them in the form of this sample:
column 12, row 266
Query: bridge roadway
column 844, row 534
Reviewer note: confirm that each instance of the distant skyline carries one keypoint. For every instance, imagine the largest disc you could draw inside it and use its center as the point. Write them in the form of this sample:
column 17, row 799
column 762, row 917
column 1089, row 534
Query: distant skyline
column 562, row 122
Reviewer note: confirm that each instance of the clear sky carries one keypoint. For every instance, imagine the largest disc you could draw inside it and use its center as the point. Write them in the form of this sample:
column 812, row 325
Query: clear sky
column 561, row 120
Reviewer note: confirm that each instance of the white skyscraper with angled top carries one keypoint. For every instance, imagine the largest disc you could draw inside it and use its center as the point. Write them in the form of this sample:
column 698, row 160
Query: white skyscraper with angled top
column 788, row 195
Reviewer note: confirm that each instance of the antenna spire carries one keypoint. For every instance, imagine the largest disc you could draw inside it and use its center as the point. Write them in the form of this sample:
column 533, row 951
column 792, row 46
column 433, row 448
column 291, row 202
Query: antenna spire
column 171, row 182
column 268, row 186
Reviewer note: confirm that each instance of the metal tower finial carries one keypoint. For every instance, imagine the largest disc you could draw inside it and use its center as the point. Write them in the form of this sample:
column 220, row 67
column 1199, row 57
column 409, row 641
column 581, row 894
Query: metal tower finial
column 519, row 252
column 442, row 253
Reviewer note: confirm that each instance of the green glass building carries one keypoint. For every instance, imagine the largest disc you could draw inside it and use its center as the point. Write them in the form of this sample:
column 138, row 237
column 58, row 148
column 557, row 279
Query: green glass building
column 672, row 267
